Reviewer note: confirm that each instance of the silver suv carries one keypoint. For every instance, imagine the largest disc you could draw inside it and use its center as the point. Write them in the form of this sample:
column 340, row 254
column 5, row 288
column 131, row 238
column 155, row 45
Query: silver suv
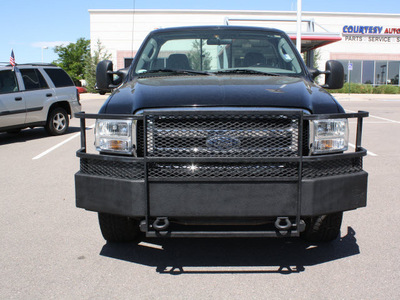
column 34, row 95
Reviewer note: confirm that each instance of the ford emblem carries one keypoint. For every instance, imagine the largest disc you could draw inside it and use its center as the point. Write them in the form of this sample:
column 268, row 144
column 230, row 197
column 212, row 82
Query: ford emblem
column 222, row 142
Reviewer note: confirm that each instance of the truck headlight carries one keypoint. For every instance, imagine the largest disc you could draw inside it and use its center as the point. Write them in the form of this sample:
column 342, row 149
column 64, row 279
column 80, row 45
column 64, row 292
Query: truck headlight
column 330, row 135
column 115, row 136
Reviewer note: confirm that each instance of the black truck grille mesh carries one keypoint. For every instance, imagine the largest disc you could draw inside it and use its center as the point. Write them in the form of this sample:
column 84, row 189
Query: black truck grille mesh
column 215, row 170
column 332, row 167
column 112, row 168
column 135, row 170
column 225, row 135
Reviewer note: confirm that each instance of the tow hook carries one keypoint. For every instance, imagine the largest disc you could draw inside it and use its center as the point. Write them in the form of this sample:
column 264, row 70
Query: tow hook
column 283, row 223
column 302, row 226
column 161, row 223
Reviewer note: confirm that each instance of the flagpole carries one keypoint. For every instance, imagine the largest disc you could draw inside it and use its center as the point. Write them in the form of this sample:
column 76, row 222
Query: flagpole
column 44, row 47
column 12, row 59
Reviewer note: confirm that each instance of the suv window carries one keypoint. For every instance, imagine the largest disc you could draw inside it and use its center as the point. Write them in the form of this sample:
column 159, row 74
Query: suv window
column 8, row 82
column 59, row 77
column 33, row 79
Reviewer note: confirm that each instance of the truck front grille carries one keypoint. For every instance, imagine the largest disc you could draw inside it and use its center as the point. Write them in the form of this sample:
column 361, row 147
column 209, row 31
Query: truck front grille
column 223, row 145
column 222, row 135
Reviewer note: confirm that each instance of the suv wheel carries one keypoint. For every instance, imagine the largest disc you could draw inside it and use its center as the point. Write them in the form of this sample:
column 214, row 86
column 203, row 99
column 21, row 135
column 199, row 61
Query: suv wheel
column 57, row 122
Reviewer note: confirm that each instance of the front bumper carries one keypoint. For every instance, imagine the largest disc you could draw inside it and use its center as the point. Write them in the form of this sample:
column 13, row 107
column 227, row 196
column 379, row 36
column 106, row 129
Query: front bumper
column 103, row 188
column 221, row 188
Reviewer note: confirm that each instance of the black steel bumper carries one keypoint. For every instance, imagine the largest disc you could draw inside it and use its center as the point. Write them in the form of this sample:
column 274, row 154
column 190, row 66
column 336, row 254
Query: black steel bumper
column 152, row 187
column 221, row 199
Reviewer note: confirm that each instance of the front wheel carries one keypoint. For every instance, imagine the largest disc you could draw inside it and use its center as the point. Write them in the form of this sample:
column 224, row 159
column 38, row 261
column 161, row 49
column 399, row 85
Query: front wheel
column 118, row 228
column 323, row 228
column 57, row 122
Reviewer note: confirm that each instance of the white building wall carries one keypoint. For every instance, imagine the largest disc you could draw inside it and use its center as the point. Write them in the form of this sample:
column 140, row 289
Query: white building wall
column 336, row 22
column 122, row 31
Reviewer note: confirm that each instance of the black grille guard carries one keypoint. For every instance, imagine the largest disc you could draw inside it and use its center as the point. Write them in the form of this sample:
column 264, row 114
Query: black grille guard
column 152, row 168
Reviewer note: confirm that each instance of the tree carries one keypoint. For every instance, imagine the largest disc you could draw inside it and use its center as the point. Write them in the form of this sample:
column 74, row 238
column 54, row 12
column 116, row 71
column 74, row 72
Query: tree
column 71, row 58
column 91, row 61
column 316, row 60
column 200, row 58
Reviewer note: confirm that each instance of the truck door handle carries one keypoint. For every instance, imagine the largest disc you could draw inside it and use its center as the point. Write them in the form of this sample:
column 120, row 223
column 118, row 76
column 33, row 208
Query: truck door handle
column 49, row 95
column 18, row 98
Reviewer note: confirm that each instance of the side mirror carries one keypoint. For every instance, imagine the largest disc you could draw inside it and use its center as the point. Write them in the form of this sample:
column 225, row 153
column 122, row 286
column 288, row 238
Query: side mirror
column 104, row 74
column 334, row 74
column 314, row 72
column 105, row 77
column 334, row 77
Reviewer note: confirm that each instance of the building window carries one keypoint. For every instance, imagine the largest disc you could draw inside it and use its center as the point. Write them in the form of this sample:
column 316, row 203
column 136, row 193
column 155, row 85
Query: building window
column 127, row 62
column 368, row 72
column 346, row 71
column 372, row 72
column 380, row 72
column 393, row 72
column 354, row 74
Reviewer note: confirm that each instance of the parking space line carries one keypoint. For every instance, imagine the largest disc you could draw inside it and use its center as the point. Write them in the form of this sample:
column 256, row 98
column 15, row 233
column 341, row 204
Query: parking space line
column 376, row 117
column 58, row 145
column 368, row 152
column 369, row 122
column 389, row 120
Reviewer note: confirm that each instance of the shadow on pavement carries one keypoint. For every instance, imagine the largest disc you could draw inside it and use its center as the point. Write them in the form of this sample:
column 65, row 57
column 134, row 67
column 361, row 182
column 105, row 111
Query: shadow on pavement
column 180, row 256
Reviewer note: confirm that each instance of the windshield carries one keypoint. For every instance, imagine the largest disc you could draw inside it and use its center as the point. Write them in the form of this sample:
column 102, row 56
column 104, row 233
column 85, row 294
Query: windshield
column 218, row 51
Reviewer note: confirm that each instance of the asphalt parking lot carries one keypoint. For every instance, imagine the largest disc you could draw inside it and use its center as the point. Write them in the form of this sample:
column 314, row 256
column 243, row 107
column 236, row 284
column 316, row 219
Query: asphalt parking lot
column 49, row 249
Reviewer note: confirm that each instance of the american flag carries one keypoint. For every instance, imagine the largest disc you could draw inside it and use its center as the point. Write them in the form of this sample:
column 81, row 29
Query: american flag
column 12, row 58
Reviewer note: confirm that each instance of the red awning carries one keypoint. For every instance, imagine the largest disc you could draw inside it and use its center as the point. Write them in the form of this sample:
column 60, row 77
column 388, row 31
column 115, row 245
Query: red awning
column 311, row 41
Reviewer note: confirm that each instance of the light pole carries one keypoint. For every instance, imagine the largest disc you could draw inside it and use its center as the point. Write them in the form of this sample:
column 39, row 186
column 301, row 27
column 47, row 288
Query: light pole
column 44, row 47
column 383, row 75
column 298, row 35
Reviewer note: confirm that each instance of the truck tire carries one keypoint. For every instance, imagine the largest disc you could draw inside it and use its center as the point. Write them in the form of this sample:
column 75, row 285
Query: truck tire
column 57, row 122
column 118, row 228
column 323, row 228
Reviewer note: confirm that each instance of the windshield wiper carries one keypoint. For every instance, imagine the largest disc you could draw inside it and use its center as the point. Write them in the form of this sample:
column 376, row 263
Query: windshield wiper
column 175, row 72
column 246, row 71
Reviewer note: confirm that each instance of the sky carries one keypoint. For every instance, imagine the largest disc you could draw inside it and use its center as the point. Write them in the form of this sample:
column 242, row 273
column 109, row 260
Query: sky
column 30, row 25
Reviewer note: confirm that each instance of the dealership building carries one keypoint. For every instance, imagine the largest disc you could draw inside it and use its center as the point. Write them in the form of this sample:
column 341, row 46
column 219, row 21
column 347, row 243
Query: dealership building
column 368, row 45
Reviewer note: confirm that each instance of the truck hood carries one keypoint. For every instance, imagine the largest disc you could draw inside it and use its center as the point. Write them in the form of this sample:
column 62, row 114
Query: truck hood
column 220, row 91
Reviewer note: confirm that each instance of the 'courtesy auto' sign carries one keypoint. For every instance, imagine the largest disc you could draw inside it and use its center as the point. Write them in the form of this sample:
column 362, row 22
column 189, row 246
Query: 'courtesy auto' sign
column 360, row 33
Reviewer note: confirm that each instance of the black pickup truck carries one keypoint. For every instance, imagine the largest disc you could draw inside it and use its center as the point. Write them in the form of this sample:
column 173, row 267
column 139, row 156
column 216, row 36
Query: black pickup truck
column 221, row 131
